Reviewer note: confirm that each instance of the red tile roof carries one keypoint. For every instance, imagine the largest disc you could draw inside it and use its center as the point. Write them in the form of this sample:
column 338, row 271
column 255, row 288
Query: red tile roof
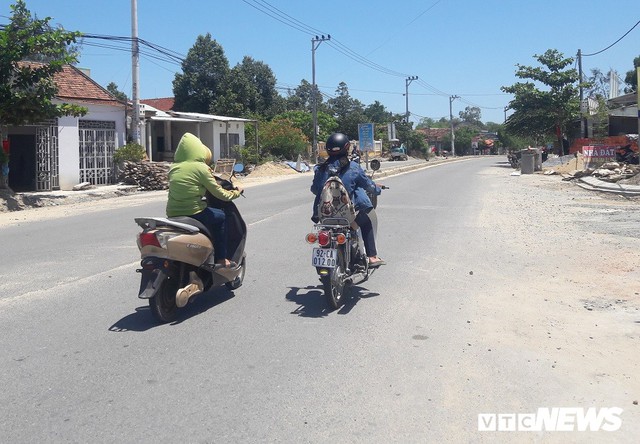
column 434, row 134
column 75, row 86
column 163, row 104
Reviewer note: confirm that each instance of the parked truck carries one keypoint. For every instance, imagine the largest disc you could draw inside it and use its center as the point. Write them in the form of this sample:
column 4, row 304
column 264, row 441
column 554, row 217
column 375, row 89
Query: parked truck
column 398, row 153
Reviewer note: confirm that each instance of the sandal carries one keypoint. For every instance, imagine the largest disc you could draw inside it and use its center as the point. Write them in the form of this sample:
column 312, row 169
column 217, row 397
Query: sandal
column 231, row 264
column 376, row 264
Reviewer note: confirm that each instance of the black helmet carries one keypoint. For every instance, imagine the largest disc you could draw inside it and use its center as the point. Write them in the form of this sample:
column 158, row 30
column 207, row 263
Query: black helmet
column 337, row 144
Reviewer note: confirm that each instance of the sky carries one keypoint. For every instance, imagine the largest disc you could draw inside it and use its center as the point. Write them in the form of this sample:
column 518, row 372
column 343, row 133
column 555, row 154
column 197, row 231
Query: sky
column 464, row 48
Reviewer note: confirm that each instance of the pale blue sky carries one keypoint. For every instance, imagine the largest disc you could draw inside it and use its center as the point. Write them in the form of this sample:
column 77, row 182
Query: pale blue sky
column 456, row 47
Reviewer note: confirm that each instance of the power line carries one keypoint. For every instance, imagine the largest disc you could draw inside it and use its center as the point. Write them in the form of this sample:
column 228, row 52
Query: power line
column 614, row 43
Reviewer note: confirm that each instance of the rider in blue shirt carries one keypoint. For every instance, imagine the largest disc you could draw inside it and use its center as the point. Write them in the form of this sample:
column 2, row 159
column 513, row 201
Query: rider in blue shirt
column 356, row 182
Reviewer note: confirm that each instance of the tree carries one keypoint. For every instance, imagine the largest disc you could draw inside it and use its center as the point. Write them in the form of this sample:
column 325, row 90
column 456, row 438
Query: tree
column 252, row 90
column 31, row 53
column 471, row 116
column 113, row 89
column 281, row 138
column 304, row 121
column 631, row 79
column 540, row 113
column 349, row 112
column 203, row 84
column 377, row 113
column 598, row 84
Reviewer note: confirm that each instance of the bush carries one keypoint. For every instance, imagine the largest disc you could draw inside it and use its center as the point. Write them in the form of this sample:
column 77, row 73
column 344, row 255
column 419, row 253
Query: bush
column 133, row 152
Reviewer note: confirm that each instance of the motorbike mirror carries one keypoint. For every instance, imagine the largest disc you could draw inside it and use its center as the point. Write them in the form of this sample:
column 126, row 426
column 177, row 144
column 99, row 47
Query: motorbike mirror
column 375, row 164
column 238, row 168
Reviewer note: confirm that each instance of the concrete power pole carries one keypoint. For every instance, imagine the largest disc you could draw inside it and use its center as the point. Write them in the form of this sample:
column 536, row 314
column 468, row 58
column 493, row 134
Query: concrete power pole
column 453, row 134
column 315, row 42
column 135, row 74
column 408, row 81
column 584, row 127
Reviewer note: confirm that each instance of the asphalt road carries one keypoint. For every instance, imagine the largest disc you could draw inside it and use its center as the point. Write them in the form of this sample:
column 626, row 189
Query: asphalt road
column 83, row 361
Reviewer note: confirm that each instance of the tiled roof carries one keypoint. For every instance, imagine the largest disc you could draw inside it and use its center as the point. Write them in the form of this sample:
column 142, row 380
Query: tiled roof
column 163, row 104
column 434, row 134
column 74, row 85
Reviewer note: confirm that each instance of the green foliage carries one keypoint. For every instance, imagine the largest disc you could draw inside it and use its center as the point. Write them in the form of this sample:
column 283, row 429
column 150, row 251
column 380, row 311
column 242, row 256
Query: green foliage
column 132, row 152
column 113, row 89
column 349, row 112
column 203, row 85
column 280, row 138
column 631, row 78
column 249, row 155
column 304, row 122
column 538, row 113
column 31, row 53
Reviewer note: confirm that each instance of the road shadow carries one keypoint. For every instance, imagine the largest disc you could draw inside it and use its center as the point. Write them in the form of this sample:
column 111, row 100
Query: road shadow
column 312, row 303
column 142, row 319
column 504, row 164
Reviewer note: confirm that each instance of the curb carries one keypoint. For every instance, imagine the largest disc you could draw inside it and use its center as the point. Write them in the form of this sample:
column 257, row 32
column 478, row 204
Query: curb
column 406, row 169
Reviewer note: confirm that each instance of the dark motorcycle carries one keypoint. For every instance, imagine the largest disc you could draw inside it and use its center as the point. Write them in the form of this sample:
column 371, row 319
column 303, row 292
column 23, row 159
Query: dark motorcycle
column 339, row 257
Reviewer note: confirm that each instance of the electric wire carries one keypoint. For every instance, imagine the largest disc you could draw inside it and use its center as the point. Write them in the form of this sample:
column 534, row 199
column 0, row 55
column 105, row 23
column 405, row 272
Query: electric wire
column 614, row 43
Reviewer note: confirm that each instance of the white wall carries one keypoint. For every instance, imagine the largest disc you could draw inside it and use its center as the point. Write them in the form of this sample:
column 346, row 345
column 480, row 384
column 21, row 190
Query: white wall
column 69, row 140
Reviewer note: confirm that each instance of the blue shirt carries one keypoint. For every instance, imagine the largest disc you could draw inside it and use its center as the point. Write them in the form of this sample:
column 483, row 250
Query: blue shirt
column 354, row 179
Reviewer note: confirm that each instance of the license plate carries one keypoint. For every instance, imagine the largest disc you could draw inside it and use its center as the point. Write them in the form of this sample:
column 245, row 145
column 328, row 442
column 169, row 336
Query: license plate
column 324, row 257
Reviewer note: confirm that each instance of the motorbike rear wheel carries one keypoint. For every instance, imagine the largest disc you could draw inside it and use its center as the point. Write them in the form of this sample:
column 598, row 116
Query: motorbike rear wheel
column 163, row 304
column 334, row 283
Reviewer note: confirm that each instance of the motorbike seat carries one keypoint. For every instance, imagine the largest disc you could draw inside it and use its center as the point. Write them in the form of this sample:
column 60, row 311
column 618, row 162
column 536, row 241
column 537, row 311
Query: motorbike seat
column 194, row 222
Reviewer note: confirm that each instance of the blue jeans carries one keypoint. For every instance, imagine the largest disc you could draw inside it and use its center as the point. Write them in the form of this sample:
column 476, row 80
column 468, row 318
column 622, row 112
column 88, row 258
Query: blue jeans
column 214, row 220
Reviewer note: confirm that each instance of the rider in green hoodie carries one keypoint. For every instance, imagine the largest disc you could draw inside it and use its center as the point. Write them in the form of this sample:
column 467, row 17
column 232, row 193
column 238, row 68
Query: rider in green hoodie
column 190, row 177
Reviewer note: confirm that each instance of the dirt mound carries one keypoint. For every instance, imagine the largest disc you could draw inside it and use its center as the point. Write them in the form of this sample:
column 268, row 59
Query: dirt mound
column 272, row 169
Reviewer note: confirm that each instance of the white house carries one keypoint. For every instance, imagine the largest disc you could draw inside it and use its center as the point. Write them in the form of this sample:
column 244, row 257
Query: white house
column 163, row 128
column 63, row 152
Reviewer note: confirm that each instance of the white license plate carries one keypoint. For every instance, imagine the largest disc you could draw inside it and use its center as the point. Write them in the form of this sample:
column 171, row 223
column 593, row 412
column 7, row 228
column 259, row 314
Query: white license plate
column 324, row 257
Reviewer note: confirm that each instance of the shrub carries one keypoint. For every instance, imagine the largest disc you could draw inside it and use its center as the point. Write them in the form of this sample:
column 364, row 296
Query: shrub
column 132, row 152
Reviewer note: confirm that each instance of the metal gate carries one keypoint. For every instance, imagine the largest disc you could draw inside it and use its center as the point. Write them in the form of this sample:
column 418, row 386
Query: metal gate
column 47, row 170
column 97, row 145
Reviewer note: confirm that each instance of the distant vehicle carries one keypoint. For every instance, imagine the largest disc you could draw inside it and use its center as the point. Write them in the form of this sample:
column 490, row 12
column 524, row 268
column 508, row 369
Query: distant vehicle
column 398, row 153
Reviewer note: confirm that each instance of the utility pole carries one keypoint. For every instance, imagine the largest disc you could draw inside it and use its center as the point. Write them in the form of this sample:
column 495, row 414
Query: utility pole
column 453, row 135
column 315, row 42
column 408, row 81
column 583, row 120
column 135, row 73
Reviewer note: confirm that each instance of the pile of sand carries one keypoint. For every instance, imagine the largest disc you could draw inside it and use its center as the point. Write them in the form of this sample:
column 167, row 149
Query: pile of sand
column 272, row 169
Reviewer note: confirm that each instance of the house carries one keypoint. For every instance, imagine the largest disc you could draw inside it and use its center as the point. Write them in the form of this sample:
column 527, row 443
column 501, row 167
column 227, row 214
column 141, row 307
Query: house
column 163, row 127
column 435, row 137
column 60, row 153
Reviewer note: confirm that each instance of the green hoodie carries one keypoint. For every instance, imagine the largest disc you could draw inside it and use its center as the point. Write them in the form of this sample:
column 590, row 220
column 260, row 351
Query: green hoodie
column 190, row 177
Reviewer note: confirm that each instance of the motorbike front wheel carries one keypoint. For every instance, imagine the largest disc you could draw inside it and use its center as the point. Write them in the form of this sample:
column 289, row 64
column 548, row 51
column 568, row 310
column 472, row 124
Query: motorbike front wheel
column 334, row 283
column 163, row 304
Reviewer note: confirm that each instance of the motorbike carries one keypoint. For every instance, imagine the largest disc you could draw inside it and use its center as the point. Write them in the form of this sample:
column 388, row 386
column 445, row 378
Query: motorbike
column 177, row 257
column 338, row 250
column 514, row 158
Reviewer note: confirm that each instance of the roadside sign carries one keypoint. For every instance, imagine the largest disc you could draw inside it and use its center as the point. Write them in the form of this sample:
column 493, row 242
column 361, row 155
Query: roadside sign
column 365, row 136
